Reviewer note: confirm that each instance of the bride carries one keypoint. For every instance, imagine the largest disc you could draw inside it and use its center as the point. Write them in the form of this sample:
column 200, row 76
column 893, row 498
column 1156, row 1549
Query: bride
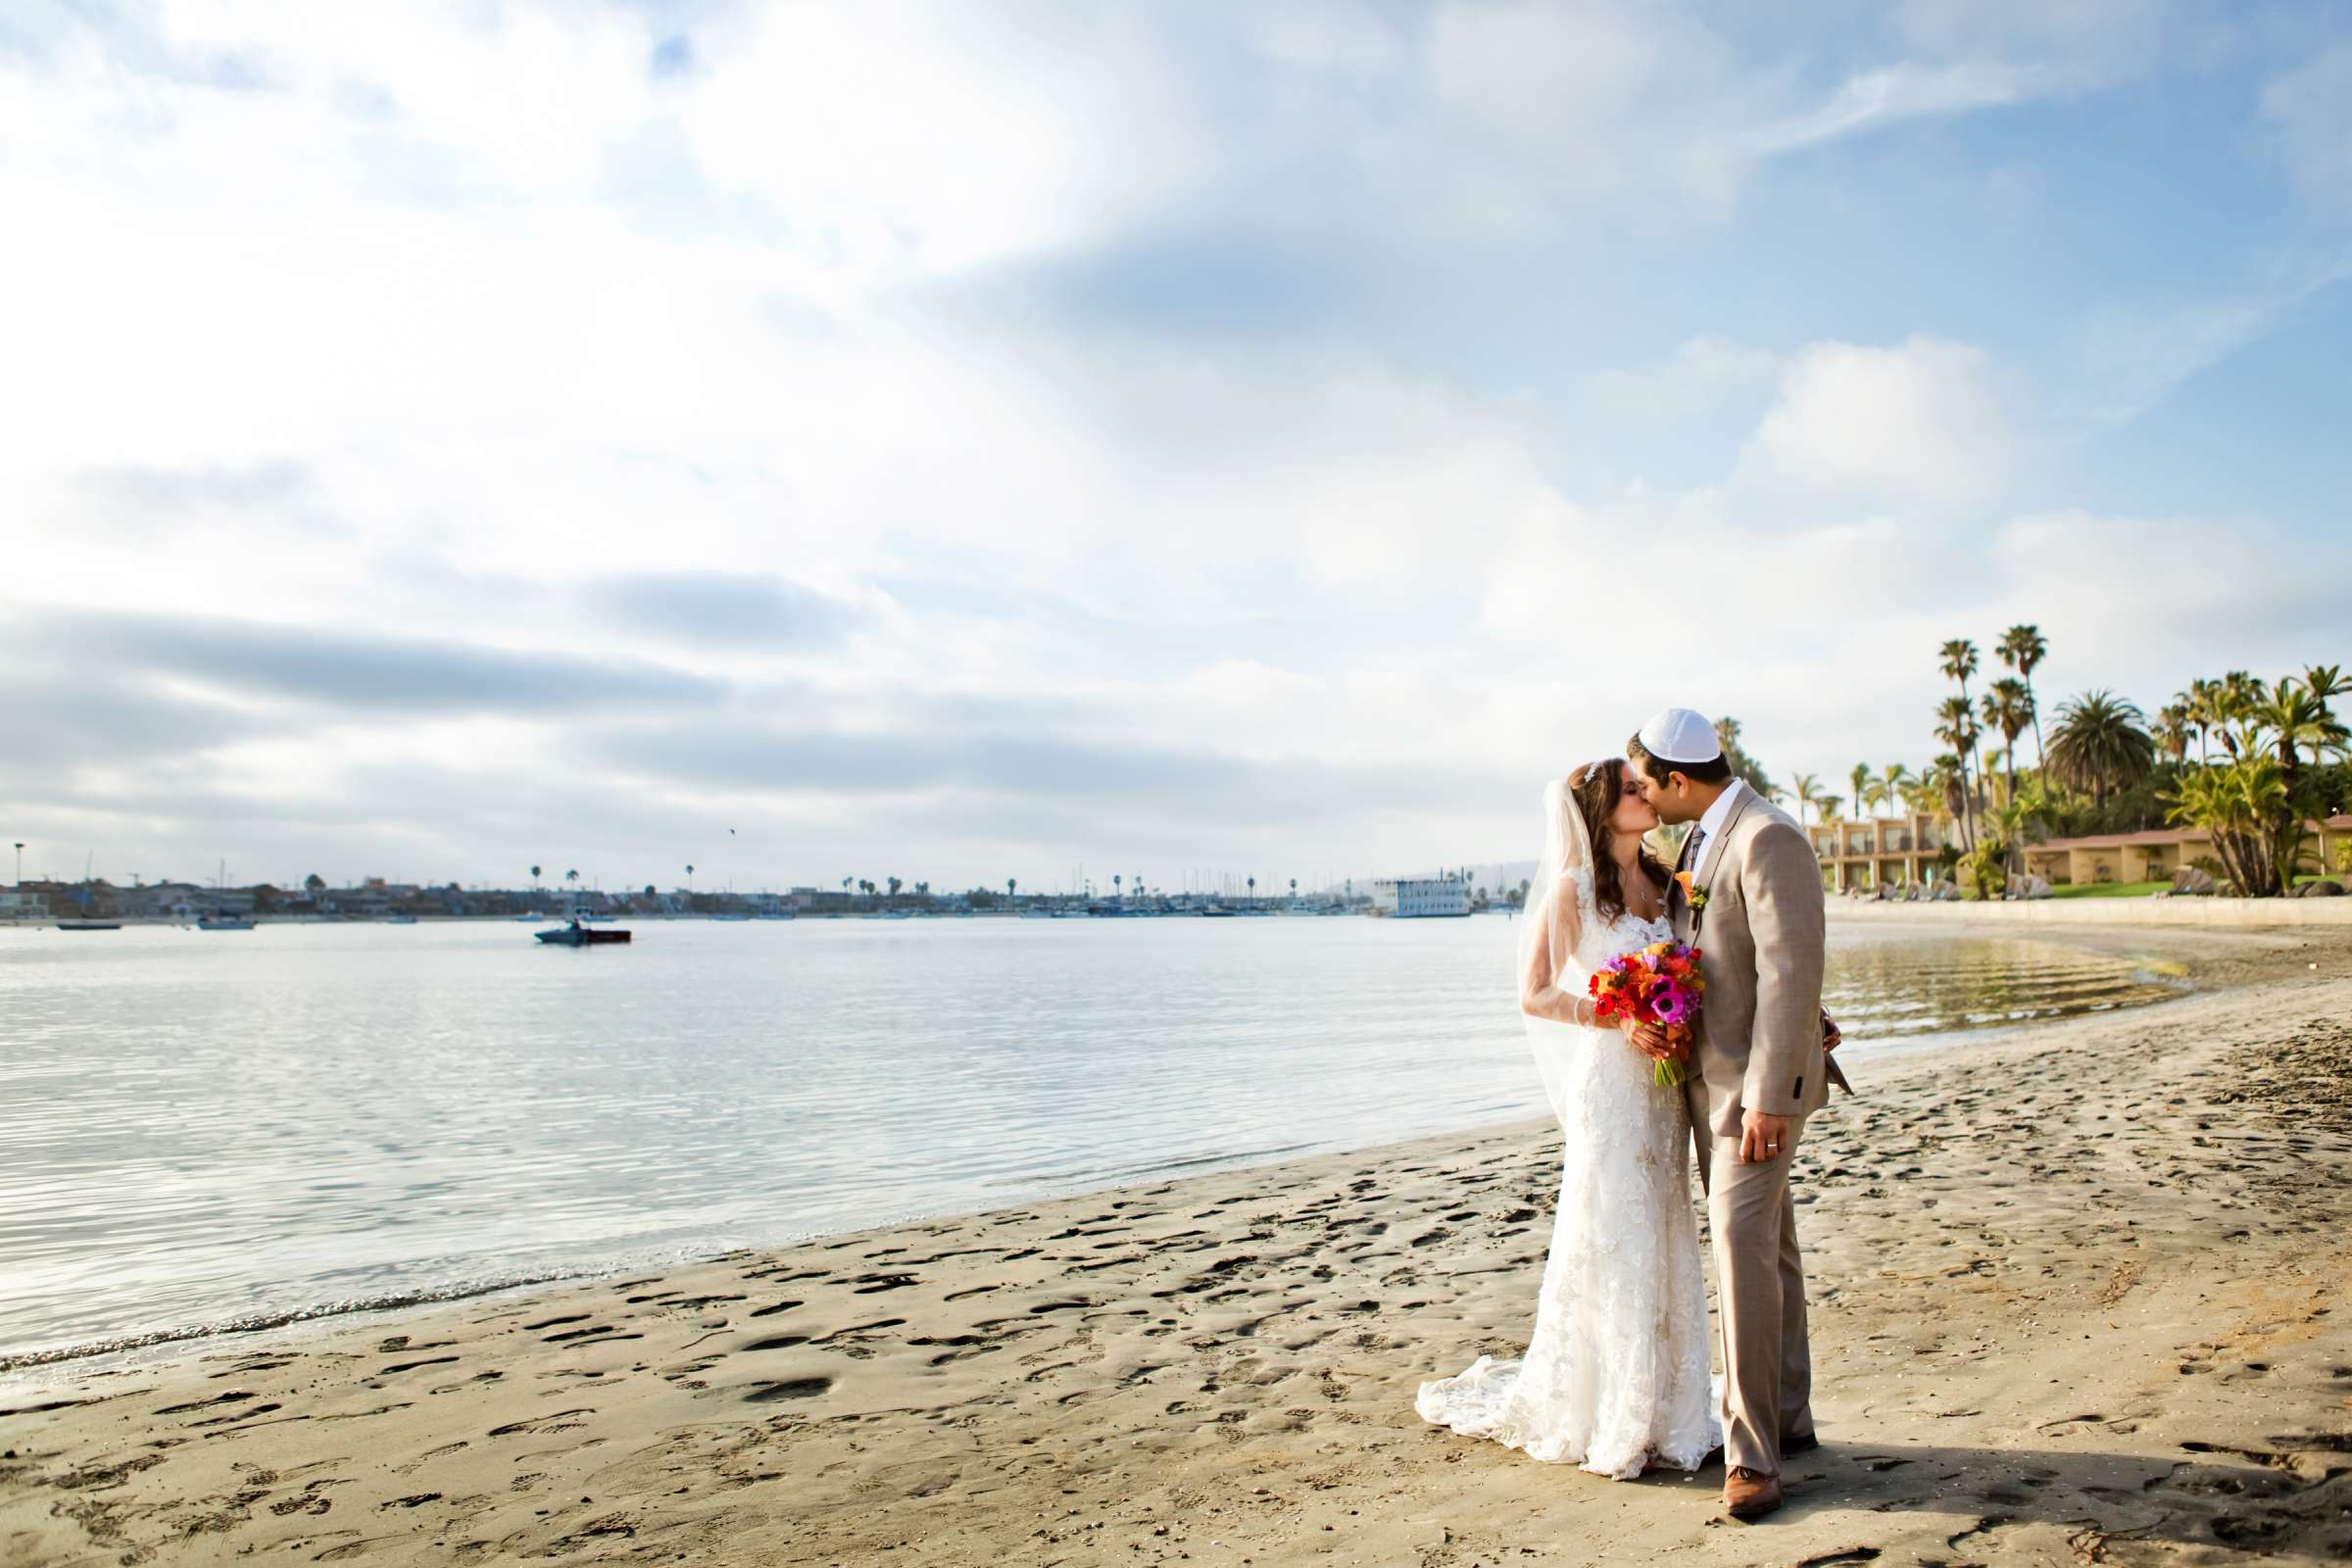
column 1615, row 1377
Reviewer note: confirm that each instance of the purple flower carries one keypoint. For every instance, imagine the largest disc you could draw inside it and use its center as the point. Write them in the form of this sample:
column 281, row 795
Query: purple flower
column 1670, row 1003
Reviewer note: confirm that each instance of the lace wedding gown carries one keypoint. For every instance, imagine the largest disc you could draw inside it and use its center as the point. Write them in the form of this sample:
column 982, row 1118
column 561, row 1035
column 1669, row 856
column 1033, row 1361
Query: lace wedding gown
column 1616, row 1374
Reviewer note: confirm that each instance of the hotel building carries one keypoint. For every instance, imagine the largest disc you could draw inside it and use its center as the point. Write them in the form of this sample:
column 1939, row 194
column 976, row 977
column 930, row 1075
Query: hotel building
column 1889, row 851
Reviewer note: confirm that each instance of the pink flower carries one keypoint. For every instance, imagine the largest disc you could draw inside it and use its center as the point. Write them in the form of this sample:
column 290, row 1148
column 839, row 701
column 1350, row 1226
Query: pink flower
column 1668, row 1003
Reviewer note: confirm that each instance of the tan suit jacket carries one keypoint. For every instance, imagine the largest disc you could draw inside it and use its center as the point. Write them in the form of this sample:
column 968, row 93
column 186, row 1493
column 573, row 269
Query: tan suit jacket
column 1760, row 936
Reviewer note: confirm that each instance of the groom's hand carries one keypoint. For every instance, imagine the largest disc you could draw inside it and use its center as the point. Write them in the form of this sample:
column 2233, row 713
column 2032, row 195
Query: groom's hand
column 1651, row 1041
column 1762, row 1138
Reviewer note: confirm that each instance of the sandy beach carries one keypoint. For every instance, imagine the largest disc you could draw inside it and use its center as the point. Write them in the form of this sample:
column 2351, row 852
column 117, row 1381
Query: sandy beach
column 2077, row 1299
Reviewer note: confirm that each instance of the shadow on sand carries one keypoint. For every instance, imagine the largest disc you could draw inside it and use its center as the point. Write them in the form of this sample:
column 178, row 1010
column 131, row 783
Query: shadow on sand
column 2293, row 1498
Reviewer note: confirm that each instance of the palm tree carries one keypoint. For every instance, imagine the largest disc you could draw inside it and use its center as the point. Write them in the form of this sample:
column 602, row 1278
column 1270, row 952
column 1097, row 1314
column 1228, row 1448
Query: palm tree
column 1807, row 790
column 1254, row 889
column 1293, row 889
column 1011, row 883
column 2245, row 808
column 1894, row 785
column 894, row 885
column 1959, row 731
column 2022, row 648
column 534, row 879
column 1118, row 883
column 2101, row 744
column 2008, row 707
column 1939, row 794
column 2235, row 698
column 1959, row 661
column 2299, row 722
column 690, row 882
column 1861, row 780
column 1829, row 806
column 571, row 877
column 2172, row 731
column 2200, row 710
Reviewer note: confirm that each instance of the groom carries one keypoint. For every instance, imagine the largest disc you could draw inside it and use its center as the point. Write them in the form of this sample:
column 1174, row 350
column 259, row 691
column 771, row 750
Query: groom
column 1747, row 893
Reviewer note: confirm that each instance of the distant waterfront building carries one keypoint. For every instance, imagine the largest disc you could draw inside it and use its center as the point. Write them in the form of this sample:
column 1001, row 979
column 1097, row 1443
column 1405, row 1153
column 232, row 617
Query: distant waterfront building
column 1421, row 898
column 1889, row 851
column 1901, row 851
column 2157, row 855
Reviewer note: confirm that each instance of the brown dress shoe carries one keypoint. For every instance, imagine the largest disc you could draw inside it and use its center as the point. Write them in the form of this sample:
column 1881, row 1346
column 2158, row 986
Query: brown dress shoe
column 1749, row 1493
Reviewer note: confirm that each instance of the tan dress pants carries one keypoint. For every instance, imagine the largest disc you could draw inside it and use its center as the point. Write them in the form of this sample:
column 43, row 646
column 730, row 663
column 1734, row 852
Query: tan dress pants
column 1760, row 1299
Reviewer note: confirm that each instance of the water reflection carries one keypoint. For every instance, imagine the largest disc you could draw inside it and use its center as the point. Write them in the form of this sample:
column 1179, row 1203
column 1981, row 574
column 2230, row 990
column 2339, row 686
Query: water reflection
column 1882, row 990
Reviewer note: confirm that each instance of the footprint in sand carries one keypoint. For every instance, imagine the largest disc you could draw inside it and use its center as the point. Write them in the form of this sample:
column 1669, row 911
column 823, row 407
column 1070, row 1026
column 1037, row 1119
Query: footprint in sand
column 557, row 1421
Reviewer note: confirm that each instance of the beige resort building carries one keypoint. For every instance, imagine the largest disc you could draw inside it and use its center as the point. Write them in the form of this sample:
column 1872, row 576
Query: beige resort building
column 1901, row 851
column 2155, row 856
column 1892, row 852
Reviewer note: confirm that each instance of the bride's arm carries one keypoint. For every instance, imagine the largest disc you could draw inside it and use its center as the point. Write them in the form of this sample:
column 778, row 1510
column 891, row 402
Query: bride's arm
column 1550, row 956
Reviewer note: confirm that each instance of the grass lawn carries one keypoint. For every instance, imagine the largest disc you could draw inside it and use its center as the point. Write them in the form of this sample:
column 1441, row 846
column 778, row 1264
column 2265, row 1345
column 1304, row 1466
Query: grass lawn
column 2108, row 890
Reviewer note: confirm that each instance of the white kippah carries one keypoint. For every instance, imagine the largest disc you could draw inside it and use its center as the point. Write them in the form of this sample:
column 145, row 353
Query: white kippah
column 1678, row 735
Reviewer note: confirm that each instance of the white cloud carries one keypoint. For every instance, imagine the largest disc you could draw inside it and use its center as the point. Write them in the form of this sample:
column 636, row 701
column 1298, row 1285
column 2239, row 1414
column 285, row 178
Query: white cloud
column 892, row 138
column 1697, row 374
column 2122, row 359
column 1891, row 94
column 1922, row 420
column 2308, row 111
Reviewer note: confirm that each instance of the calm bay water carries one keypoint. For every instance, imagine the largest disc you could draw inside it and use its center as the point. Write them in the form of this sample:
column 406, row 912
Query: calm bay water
column 198, row 1128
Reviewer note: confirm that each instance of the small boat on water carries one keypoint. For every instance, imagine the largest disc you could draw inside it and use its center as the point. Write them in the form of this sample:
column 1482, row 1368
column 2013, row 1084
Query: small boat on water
column 576, row 935
column 89, row 925
column 400, row 919
column 223, row 923
column 777, row 914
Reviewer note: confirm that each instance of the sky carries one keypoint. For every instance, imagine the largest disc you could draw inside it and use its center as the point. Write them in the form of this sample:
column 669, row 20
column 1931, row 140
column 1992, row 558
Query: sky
column 970, row 441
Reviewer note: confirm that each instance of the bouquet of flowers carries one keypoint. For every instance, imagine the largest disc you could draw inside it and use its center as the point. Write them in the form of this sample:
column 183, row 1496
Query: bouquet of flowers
column 1660, row 983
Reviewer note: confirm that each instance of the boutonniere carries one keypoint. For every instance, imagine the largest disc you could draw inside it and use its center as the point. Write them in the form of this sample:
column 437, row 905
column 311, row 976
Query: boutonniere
column 1693, row 894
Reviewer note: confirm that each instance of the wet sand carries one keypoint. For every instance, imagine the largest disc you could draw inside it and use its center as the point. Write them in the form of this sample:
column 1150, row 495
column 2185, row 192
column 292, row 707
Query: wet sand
column 2077, row 1299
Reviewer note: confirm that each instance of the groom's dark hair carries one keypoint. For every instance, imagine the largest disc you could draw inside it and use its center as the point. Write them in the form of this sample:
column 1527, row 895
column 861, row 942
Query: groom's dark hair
column 1714, row 772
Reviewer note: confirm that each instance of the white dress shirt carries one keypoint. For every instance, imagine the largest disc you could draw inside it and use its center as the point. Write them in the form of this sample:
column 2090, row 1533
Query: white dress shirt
column 1711, row 821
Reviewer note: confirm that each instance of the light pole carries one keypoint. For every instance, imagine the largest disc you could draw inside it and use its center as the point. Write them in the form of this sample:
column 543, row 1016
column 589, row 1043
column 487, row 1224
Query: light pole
column 20, row 862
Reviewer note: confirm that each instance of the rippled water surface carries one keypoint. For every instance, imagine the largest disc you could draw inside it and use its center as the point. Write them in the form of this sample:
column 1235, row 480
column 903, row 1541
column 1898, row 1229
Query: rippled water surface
column 198, row 1127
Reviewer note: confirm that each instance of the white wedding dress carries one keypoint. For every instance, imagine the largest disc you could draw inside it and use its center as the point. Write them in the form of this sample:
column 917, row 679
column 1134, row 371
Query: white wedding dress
column 1616, row 1375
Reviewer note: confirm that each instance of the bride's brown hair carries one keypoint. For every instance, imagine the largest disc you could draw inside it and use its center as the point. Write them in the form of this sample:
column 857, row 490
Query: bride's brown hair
column 1595, row 788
